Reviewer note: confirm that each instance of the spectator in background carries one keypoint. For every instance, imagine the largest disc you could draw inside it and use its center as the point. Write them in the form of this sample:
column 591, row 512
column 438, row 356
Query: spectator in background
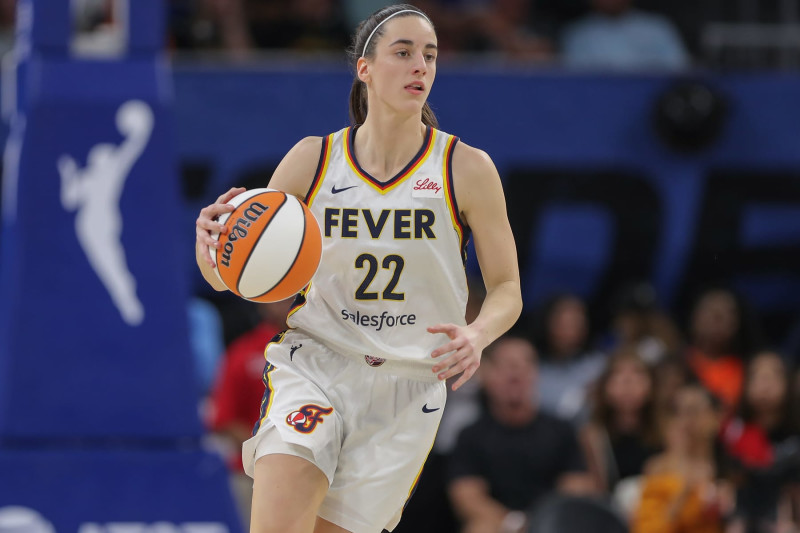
column 638, row 323
column 763, row 441
column 795, row 388
column 241, row 26
column 8, row 10
column 455, row 22
column 553, row 15
column 683, row 490
column 721, row 336
column 791, row 344
column 568, row 366
column 207, row 341
column 623, row 432
column 616, row 36
column 671, row 373
column 357, row 10
column 221, row 24
column 507, row 26
column 181, row 20
column 515, row 454
column 297, row 24
column 237, row 395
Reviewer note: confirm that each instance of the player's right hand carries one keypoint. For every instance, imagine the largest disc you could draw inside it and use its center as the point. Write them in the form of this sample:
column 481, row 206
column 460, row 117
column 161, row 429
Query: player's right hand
column 207, row 223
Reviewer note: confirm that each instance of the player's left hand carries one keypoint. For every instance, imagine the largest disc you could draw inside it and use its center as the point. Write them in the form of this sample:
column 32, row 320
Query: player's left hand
column 466, row 353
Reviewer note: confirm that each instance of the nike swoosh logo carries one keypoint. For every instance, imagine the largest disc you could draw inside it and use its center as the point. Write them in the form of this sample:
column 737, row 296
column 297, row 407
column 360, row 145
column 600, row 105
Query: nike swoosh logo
column 426, row 410
column 334, row 190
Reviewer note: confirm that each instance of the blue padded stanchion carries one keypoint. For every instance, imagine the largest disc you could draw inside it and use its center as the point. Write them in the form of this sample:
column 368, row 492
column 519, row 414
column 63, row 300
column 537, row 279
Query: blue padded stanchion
column 96, row 372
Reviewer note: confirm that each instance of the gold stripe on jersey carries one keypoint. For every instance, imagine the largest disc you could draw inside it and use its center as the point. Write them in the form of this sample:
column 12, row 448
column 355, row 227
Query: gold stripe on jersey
column 322, row 169
column 412, row 167
column 269, row 393
column 419, row 473
column 299, row 301
column 449, row 192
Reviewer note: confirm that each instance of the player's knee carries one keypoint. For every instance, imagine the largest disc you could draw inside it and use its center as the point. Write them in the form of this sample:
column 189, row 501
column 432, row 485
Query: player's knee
column 279, row 526
column 287, row 494
column 282, row 519
column 286, row 518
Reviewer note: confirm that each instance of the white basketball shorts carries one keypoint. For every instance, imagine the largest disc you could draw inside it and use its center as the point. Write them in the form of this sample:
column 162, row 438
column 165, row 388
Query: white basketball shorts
column 368, row 427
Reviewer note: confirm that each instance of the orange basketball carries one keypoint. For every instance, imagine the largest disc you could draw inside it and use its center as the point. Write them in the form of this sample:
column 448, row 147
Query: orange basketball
column 272, row 248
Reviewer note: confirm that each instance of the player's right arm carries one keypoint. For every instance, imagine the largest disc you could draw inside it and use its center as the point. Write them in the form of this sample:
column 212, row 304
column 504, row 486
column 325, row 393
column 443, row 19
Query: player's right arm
column 293, row 176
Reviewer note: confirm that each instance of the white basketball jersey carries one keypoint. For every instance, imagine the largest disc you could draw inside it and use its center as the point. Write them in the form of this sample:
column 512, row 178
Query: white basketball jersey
column 392, row 253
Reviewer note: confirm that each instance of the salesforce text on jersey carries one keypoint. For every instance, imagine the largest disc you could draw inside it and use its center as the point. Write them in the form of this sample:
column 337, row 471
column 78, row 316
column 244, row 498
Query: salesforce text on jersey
column 378, row 321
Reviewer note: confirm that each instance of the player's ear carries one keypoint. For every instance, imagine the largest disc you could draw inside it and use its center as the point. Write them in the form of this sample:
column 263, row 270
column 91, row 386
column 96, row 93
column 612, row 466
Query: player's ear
column 362, row 70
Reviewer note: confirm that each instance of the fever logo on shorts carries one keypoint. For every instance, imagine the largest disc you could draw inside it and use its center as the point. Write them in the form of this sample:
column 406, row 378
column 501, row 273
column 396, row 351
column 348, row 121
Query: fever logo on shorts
column 306, row 418
column 371, row 360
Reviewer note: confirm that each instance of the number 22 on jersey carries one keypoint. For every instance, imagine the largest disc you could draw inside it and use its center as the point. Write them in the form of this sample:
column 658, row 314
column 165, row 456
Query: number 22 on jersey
column 390, row 262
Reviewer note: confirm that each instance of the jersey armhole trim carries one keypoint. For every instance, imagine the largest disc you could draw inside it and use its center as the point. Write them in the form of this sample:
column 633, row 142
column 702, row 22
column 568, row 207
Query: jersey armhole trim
column 450, row 196
column 322, row 168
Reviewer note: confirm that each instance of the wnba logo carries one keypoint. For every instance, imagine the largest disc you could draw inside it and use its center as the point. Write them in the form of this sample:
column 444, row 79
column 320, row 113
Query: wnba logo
column 306, row 418
column 17, row 519
column 93, row 192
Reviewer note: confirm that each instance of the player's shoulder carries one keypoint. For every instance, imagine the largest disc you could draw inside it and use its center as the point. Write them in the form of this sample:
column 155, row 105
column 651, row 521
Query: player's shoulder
column 311, row 146
column 471, row 166
column 297, row 168
column 307, row 146
column 471, row 160
column 304, row 155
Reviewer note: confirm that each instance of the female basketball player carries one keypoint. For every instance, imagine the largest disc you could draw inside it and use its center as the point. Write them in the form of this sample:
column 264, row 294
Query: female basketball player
column 355, row 389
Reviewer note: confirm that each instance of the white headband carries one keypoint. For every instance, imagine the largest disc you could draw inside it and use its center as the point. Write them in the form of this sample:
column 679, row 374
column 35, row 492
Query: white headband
column 420, row 13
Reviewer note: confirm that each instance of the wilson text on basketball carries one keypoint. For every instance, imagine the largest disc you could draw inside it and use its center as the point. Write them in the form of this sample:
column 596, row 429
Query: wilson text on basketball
column 239, row 230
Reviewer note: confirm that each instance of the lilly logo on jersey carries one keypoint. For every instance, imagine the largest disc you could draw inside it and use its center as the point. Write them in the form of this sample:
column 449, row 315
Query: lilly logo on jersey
column 427, row 188
column 306, row 418
column 239, row 230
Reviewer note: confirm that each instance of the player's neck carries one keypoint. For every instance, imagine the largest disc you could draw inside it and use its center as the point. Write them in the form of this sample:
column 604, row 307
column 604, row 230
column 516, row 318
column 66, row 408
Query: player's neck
column 384, row 145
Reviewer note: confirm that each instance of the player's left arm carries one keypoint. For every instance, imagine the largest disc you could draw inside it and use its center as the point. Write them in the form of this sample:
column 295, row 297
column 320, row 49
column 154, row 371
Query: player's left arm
column 480, row 198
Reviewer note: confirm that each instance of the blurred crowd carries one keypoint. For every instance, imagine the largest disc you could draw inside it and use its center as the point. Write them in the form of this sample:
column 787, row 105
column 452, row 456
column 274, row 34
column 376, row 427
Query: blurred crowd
column 606, row 34
column 654, row 425
column 599, row 34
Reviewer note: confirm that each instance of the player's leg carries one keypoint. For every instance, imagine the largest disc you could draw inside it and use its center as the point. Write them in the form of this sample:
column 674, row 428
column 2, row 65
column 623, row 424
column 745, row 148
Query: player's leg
column 323, row 526
column 389, row 437
column 287, row 493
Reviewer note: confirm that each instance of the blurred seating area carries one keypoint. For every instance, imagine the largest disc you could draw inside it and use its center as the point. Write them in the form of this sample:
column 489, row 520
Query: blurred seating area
column 652, row 423
column 615, row 34
column 652, row 384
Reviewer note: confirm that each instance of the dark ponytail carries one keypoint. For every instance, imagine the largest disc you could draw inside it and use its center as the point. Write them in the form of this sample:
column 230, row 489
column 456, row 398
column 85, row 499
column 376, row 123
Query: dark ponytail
column 428, row 116
column 358, row 102
column 358, row 91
